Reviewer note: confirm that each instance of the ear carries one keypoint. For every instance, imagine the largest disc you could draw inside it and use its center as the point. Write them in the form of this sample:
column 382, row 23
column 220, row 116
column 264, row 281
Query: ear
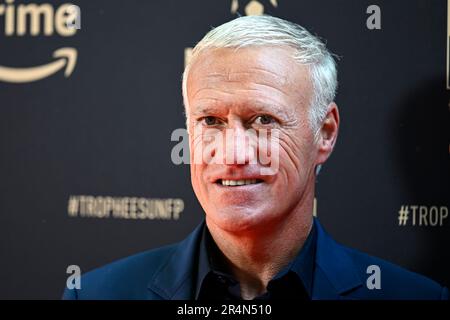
column 234, row 6
column 328, row 133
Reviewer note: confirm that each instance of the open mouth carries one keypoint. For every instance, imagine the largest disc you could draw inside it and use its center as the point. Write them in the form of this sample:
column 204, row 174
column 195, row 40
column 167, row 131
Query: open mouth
column 236, row 183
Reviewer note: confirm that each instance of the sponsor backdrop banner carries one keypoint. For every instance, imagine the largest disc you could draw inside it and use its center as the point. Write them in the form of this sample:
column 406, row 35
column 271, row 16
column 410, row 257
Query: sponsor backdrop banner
column 90, row 95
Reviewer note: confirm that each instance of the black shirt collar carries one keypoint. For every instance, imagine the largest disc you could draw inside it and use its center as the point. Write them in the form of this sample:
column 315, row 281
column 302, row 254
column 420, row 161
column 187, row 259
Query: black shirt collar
column 211, row 267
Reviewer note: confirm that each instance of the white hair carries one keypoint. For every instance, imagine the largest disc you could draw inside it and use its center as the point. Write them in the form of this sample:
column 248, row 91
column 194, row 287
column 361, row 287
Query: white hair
column 249, row 31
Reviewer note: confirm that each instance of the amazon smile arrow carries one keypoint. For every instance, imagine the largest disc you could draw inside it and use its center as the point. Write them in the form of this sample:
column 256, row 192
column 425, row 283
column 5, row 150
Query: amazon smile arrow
column 66, row 57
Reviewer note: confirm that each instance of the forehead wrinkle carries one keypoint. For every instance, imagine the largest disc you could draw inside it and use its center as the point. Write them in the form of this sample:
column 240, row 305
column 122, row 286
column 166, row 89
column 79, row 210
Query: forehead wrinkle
column 208, row 108
column 249, row 85
column 267, row 73
column 265, row 102
column 269, row 79
column 215, row 63
column 257, row 86
column 218, row 106
column 272, row 80
column 211, row 96
column 248, row 76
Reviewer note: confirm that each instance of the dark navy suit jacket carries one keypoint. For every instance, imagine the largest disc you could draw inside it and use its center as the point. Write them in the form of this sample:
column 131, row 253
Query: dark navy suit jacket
column 169, row 273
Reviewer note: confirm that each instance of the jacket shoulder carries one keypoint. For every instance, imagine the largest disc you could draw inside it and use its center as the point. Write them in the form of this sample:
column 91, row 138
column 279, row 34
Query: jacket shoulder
column 394, row 282
column 126, row 278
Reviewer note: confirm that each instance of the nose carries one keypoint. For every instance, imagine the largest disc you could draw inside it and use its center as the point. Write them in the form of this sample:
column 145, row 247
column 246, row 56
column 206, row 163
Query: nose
column 239, row 146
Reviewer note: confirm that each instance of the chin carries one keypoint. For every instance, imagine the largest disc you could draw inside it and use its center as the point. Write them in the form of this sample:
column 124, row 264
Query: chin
column 240, row 219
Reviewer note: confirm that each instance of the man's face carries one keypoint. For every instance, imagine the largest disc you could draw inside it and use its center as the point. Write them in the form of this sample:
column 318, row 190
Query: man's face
column 264, row 89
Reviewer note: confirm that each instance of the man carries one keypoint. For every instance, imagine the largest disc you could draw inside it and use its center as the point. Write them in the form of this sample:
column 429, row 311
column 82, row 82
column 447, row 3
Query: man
column 259, row 239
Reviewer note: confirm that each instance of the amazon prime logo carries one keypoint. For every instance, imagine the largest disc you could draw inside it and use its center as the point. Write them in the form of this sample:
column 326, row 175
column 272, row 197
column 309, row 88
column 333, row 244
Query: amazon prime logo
column 40, row 19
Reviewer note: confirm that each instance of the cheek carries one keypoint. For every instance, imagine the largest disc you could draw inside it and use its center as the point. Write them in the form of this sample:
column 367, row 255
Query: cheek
column 198, row 184
column 196, row 168
column 296, row 153
column 197, row 176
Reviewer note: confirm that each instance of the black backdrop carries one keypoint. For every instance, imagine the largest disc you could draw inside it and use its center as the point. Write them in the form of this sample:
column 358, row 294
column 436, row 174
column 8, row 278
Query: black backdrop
column 105, row 131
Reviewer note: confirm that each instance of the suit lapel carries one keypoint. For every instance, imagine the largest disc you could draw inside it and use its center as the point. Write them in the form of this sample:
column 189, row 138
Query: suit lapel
column 174, row 279
column 335, row 273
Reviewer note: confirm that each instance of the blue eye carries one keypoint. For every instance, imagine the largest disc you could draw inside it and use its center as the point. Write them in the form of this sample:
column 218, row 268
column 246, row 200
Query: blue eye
column 264, row 119
column 210, row 121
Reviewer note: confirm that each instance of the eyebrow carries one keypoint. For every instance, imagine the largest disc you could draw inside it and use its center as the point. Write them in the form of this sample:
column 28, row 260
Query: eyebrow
column 206, row 110
column 258, row 107
column 271, row 109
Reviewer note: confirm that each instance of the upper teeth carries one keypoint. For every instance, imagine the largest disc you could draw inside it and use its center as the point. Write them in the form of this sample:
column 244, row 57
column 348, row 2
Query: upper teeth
column 238, row 182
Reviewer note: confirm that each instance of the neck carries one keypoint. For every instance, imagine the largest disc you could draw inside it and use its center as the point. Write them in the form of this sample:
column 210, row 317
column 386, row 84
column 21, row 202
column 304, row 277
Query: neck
column 250, row 254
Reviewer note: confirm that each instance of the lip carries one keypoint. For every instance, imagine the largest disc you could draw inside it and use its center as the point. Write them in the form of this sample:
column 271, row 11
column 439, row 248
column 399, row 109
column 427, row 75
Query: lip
column 252, row 182
column 239, row 195
column 215, row 180
column 240, row 187
column 239, row 174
